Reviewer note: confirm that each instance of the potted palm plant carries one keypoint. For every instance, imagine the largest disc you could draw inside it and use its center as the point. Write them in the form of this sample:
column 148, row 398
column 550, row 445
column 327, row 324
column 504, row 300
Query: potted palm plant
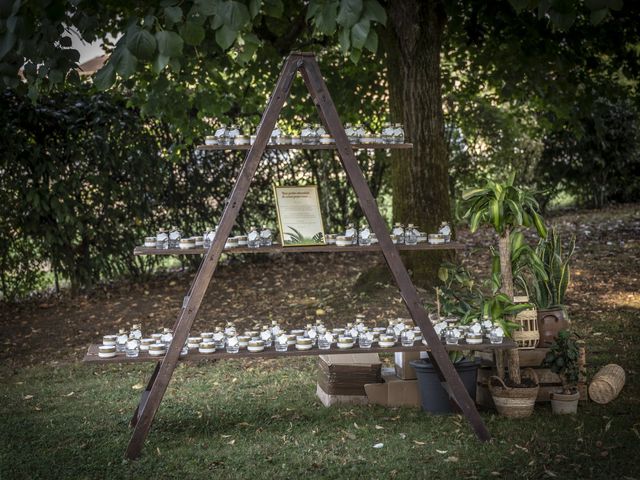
column 550, row 285
column 507, row 209
column 562, row 359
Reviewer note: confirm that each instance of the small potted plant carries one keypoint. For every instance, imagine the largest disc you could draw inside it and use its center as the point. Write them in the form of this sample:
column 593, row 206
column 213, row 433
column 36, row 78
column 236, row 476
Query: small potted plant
column 562, row 359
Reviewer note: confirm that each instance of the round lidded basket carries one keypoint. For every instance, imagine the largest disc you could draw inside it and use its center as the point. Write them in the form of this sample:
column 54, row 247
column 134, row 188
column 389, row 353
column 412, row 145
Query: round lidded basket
column 529, row 335
column 607, row 383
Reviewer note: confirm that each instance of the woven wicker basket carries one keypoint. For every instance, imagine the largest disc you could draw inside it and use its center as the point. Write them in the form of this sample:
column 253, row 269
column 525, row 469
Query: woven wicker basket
column 607, row 383
column 529, row 335
column 514, row 402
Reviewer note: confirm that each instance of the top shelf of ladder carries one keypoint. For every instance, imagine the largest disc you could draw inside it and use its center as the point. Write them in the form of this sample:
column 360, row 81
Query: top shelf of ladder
column 331, row 146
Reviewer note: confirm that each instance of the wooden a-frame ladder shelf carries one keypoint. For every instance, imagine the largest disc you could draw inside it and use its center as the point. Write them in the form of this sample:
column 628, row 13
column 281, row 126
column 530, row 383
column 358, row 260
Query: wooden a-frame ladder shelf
column 306, row 64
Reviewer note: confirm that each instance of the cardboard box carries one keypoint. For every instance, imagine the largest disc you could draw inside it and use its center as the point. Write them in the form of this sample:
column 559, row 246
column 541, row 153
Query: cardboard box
column 403, row 369
column 347, row 374
column 394, row 392
column 328, row 400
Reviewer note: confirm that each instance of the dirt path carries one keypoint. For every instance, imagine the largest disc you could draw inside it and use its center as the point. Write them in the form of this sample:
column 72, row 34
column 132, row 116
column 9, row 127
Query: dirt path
column 295, row 289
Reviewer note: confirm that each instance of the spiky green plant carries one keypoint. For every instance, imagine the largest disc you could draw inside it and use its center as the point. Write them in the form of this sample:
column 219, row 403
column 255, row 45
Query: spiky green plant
column 562, row 359
column 550, row 284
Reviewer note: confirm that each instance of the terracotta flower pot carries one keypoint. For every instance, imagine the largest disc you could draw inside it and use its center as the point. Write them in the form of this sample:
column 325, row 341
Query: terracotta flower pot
column 550, row 323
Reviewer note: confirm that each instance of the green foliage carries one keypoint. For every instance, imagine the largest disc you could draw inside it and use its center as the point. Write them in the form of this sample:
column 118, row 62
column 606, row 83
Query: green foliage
column 462, row 296
column 549, row 283
column 562, row 359
column 600, row 162
column 503, row 207
column 297, row 238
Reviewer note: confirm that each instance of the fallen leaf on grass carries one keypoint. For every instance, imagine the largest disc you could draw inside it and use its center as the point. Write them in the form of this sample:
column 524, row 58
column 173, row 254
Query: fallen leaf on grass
column 403, row 436
column 231, row 442
column 419, row 443
column 27, row 397
column 138, row 386
column 378, row 445
column 441, row 451
column 378, row 427
column 451, row 459
column 70, row 394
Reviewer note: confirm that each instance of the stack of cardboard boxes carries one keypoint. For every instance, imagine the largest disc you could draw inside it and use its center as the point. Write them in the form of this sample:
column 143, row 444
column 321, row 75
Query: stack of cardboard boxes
column 359, row 379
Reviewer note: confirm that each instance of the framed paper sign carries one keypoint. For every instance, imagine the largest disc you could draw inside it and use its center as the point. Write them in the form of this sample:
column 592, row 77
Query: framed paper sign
column 299, row 215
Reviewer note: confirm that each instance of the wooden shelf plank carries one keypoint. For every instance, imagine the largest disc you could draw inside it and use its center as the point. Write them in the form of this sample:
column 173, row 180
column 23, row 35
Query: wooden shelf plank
column 193, row 356
column 355, row 146
column 277, row 248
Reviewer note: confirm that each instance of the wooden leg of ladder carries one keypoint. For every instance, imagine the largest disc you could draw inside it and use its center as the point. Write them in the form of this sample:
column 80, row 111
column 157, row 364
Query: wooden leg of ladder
column 193, row 300
column 439, row 356
column 144, row 396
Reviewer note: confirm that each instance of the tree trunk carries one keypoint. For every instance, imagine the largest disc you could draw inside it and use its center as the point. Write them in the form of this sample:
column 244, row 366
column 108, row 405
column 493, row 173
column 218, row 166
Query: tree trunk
column 506, row 287
column 412, row 43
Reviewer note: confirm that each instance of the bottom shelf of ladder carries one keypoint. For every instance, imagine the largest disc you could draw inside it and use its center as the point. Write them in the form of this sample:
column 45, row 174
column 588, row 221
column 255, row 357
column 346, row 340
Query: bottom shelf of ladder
column 92, row 353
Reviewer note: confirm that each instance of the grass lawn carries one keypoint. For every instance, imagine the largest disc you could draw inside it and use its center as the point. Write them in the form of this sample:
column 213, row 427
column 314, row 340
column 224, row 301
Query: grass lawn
column 260, row 419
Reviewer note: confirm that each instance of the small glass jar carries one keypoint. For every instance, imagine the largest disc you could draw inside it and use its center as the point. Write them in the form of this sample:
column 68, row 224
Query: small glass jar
column 207, row 347
column 185, row 350
column 132, row 347
column 232, row 242
column 144, row 344
column 411, row 235
column 266, row 237
column 121, row 340
column 351, row 233
column 253, row 237
column 387, row 133
column 266, row 336
column 277, row 132
column 255, row 346
column 109, row 340
column 210, row 140
column 218, row 338
column 194, row 342
column 386, row 341
column 398, row 231
column 167, row 337
column 435, row 239
column 243, row 341
column 330, row 239
column 291, row 339
column 445, row 231
column 220, row 135
column 496, row 335
column 175, row 235
column 242, row 140
column 230, row 329
column 407, row 337
column 233, row 345
column 398, row 133
column 304, row 343
column 162, row 239
column 325, row 340
column 364, row 235
column 157, row 337
column 150, row 242
column 326, row 139
column 342, row 241
column 207, row 336
column 308, row 135
column 365, row 340
column 199, row 241
column 209, row 235
column 452, row 335
column 231, row 134
column 187, row 243
column 106, row 351
column 345, row 342
column 157, row 349
column 282, row 343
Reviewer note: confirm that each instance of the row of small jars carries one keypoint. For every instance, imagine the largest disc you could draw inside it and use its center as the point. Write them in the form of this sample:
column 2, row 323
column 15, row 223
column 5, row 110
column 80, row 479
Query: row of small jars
column 131, row 343
column 452, row 333
column 173, row 238
column 399, row 235
column 309, row 135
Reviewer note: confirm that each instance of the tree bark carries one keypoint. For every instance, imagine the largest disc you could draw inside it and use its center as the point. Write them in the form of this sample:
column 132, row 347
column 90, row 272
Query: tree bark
column 412, row 43
column 506, row 287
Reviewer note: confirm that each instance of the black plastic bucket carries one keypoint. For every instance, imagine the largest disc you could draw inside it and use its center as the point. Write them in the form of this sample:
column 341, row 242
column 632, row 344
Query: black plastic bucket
column 434, row 397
